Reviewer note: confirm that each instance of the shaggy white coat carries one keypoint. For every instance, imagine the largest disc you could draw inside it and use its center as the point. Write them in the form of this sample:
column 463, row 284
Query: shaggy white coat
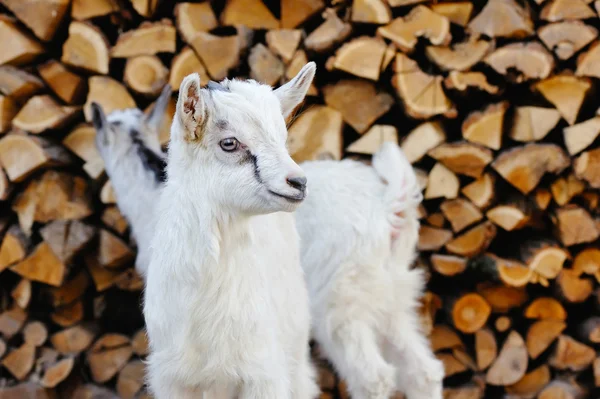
column 359, row 228
column 226, row 305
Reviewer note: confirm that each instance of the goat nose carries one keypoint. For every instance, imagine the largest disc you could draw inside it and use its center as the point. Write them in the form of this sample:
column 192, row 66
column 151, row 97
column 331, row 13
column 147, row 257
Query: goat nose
column 298, row 182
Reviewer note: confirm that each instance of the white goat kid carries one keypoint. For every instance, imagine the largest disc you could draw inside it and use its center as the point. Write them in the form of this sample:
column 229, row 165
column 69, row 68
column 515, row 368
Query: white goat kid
column 358, row 230
column 226, row 304
column 128, row 143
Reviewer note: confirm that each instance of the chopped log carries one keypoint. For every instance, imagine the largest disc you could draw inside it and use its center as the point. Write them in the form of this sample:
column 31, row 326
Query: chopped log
column 558, row 10
column 14, row 247
column 55, row 195
column 361, row 57
column 442, row 183
column 461, row 213
column 64, row 83
column 545, row 259
column 113, row 253
column 17, row 47
column 327, row 35
column 436, row 220
column 57, row 373
column 533, row 123
column 470, row 313
column 464, row 80
column 295, row 12
column 283, row 42
column 265, row 67
column 502, row 298
column 444, row 337
column 462, row 158
column 69, row 291
column 542, row 198
column 68, row 315
column 420, row 22
column 511, row 272
column 590, row 330
column 194, row 17
column 146, row 75
column 73, row 340
column 107, row 194
column 513, row 23
column 82, row 142
column 82, row 9
column 219, row 54
column 371, row 12
column 35, row 333
column 587, row 167
column 422, row 94
column 513, row 215
column 43, row 266
column 586, row 63
column 523, row 167
column 139, row 343
column 503, row 324
column 482, row 191
column 17, row 84
column 474, row 241
column 67, row 238
column 422, row 139
column 467, row 391
column 20, row 361
column 22, row 293
column 8, row 110
column 461, row 56
column 370, row 142
column 566, row 38
column 359, row 102
column 486, row 348
column 109, row 94
column 432, row 238
column 316, row 134
column 542, row 334
column 531, row 383
column 448, row 265
column 485, row 127
column 131, row 379
column 573, row 288
column 108, row 356
column 564, row 189
column 149, row 39
column 591, row 199
column 572, row 355
column 42, row 17
column 11, row 321
column 575, row 225
column 185, row 63
column 562, row 390
column 86, row 48
column 580, row 136
column 521, row 61
column 566, row 93
column 457, row 12
column 145, row 7
column 251, row 13
column 452, row 365
column 42, row 113
column 103, row 278
column 588, row 262
column 511, row 364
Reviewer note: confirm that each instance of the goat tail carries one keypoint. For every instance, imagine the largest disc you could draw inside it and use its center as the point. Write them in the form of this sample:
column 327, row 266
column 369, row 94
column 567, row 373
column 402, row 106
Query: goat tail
column 401, row 199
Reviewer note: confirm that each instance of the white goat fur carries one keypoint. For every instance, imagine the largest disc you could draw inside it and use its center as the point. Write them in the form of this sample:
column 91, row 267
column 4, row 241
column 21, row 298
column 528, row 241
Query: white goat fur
column 358, row 229
column 225, row 304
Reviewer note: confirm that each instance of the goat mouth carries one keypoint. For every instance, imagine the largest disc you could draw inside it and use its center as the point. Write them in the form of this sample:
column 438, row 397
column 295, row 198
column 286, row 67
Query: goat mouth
column 289, row 198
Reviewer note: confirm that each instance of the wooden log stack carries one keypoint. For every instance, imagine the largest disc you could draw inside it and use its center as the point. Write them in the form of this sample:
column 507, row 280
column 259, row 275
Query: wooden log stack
column 494, row 102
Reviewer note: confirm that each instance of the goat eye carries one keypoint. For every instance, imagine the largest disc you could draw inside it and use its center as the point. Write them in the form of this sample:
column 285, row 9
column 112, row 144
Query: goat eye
column 229, row 144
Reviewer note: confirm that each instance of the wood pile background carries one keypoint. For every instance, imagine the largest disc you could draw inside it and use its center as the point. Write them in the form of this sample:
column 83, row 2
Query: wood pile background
column 495, row 102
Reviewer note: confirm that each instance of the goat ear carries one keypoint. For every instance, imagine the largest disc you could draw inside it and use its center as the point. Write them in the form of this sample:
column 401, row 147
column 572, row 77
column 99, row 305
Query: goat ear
column 156, row 116
column 191, row 107
column 293, row 92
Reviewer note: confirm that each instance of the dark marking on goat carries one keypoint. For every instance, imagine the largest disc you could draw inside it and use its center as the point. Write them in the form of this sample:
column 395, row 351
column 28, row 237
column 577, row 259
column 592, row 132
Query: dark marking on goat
column 255, row 164
column 221, row 124
column 151, row 161
column 212, row 85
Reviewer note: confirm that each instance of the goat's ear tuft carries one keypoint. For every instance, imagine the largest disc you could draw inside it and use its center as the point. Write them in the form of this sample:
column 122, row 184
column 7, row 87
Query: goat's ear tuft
column 293, row 92
column 156, row 116
column 191, row 107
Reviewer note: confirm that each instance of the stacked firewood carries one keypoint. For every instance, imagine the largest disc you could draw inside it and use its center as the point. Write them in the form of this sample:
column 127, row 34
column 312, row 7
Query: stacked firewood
column 492, row 101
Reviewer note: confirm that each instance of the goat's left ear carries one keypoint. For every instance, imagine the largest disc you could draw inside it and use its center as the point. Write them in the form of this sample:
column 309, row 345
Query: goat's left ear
column 191, row 108
column 293, row 92
column 157, row 114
